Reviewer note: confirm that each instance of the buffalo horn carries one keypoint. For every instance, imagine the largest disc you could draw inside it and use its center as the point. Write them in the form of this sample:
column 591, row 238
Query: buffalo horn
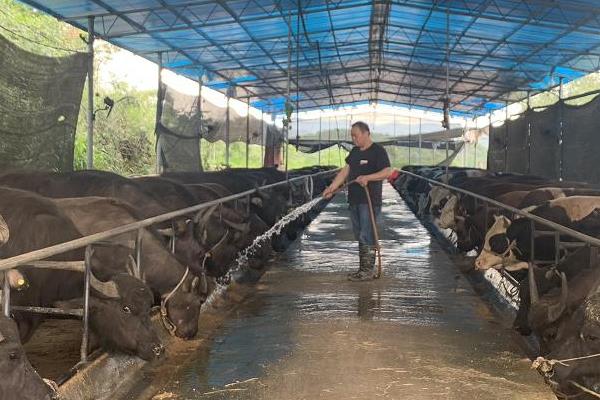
column 242, row 227
column 556, row 310
column 108, row 289
column 534, row 296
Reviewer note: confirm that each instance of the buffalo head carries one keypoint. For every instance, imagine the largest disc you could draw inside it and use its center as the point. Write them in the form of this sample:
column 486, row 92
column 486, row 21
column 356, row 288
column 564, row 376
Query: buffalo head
column 19, row 380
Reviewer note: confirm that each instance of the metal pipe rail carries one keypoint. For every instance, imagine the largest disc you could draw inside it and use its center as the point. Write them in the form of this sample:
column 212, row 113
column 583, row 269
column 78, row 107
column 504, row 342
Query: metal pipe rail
column 557, row 227
column 41, row 254
column 32, row 259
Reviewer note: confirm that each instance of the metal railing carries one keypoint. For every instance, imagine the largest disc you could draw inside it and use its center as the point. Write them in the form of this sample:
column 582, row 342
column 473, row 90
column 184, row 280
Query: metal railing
column 557, row 228
column 33, row 258
column 560, row 228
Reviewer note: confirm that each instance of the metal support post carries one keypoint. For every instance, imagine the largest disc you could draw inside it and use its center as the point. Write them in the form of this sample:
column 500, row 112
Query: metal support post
column 199, row 108
column 319, row 152
column 90, row 110
column 227, row 134
column 247, row 131
column 159, row 99
column 420, row 143
column 138, row 253
column 556, row 247
column 6, row 295
column 532, row 241
column 262, row 137
column 409, row 134
column 86, row 303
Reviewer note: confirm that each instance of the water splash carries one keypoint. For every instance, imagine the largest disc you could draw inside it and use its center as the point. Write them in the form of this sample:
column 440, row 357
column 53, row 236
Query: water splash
column 242, row 259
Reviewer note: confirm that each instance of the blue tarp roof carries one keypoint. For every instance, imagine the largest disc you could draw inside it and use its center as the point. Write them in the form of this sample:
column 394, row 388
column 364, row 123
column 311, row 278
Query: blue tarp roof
column 349, row 51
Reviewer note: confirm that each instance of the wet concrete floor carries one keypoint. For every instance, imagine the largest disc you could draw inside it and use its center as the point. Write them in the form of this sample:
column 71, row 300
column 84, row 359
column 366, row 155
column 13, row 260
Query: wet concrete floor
column 305, row 332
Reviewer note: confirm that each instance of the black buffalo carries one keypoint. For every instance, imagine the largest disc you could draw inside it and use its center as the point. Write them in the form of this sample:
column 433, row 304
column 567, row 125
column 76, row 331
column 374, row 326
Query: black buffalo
column 35, row 223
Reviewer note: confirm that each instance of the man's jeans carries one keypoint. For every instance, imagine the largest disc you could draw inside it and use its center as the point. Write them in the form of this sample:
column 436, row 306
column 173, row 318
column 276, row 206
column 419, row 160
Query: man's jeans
column 361, row 223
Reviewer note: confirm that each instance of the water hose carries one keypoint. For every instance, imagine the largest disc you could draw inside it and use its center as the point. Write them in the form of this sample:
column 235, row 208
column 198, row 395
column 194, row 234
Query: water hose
column 373, row 224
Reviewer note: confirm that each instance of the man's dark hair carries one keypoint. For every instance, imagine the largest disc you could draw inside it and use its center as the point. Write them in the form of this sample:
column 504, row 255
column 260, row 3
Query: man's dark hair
column 363, row 127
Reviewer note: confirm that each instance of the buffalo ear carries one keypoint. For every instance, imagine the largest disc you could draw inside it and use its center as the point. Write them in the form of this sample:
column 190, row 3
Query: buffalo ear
column 257, row 201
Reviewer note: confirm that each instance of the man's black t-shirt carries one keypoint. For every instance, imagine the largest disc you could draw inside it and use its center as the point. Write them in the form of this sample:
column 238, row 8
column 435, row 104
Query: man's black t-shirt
column 366, row 162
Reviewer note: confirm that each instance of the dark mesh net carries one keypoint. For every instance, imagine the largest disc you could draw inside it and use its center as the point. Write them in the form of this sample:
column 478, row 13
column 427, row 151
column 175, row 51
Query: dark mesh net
column 517, row 155
column 581, row 142
column 178, row 131
column 496, row 151
column 180, row 124
column 544, row 130
column 39, row 105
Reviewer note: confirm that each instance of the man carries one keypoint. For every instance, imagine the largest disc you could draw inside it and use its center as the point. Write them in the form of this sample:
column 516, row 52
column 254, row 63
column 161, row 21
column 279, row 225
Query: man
column 367, row 164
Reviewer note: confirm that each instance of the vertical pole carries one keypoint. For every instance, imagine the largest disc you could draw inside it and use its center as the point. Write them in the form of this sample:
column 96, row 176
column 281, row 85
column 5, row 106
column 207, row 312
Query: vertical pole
column 289, row 88
column 560, row 131
column 319, row 152
column 532, row 242
column 6, row 295
column 227, row 133
column 138, row 252
column 409, row 134
column 475, row 144
column 262, row 138
column 159, row 99
column 247, row 131
column 506, row 136
column 297, row 75
column 420, row 142
column 329, row 140
column 199, row 108
column 90, row 110
column 86, row 303
column 465, row 143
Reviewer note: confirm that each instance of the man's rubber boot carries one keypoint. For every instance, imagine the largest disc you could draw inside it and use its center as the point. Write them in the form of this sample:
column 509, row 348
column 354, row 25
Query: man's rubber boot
column 362, row 251
column 367, row 265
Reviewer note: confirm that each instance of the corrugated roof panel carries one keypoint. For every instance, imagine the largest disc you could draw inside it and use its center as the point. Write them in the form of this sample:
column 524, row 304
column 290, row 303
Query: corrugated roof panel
column 497, row 47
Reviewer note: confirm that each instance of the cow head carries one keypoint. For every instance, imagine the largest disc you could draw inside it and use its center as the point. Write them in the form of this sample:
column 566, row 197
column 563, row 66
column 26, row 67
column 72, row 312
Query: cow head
column 119, row 313
column 499, row 250
column 19, row 380
column 180, row 308
column 546, row 310
column 579, row 336
column 449, row 213
column 438, row 197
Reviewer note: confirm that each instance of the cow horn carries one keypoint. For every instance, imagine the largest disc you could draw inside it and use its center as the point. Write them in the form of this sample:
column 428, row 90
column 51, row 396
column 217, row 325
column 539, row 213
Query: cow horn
column 242, row 227
column 166, row 232
column 534, row 296
column 4, row 233
column 556, row 310
column 2, row 338
column 195, row 283
column 108, row 289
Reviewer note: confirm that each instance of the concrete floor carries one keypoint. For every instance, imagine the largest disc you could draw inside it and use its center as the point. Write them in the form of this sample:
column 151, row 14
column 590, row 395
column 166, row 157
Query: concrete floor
column 305, row 332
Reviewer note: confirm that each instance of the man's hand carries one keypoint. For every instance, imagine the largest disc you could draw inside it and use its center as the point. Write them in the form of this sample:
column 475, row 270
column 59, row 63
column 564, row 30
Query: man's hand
column 328, row 192
column 362, row 180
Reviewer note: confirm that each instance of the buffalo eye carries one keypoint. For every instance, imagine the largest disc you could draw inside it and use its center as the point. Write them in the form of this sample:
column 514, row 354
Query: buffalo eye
column 499, row 243
column 589, row 337
column 13, row 355
column 126, row 309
